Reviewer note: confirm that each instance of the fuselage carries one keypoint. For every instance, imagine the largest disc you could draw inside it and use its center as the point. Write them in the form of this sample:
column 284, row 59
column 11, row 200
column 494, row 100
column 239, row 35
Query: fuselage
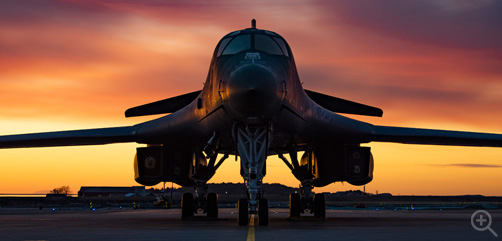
column 252, row 105
column 253, row 81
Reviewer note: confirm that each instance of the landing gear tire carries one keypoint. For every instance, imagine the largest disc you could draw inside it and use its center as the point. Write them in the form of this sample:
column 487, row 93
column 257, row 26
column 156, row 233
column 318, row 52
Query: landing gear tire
column 187, row 205
column 320, row 206
column 212, row 205
column 243, row 218
column 294, row 205
column 263, row 212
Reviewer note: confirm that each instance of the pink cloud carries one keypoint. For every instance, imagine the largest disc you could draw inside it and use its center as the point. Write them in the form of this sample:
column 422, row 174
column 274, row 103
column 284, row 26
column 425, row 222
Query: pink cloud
column 397, row 55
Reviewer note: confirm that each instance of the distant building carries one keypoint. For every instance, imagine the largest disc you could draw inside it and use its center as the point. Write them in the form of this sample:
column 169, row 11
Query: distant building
column 53, row 195
column 385, row 194
column 113, row 191
column 350, row 193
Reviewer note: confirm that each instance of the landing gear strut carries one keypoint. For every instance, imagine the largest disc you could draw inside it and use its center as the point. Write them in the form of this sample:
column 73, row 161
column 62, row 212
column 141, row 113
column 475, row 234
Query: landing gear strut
column 203, row 201
column 252, row 146
column 306, row 200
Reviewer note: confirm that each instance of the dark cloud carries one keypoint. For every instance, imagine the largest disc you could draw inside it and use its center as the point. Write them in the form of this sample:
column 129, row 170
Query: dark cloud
column 390, row 89
column 452, row 24
column 76, row 36
column 54, row 12
column 227, row 13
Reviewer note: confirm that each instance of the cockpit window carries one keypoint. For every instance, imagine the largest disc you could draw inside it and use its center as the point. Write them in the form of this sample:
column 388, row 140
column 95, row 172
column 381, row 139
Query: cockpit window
column 255, row 41
column 238, row 44
column 266, row 44
column 223, row 44
column 282, row 45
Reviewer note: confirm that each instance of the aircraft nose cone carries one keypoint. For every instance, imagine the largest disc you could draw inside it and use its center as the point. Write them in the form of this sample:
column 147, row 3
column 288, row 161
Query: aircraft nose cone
column 253, row 91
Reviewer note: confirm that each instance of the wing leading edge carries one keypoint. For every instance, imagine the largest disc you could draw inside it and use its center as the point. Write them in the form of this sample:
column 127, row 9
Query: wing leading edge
column 435, row 137
column 70, row 138
column 165, row 106
column 339, row 105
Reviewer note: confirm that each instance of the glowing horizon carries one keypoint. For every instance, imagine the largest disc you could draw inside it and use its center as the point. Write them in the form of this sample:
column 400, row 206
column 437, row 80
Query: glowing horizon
column 74, row 65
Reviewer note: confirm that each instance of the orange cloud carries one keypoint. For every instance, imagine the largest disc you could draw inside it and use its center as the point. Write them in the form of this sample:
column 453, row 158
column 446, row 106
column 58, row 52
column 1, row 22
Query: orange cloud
column 80, row 64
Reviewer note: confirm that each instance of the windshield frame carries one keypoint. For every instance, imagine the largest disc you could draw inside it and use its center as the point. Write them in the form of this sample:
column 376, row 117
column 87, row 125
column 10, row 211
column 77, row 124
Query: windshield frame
column 280, row 44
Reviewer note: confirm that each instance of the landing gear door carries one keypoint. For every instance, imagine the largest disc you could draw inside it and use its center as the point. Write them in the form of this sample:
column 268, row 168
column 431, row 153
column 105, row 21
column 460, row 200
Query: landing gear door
column 148, row 165
column 359, row 167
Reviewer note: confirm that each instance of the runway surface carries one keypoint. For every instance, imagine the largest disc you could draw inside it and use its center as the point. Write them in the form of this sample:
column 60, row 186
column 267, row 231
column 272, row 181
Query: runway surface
column 165, row 224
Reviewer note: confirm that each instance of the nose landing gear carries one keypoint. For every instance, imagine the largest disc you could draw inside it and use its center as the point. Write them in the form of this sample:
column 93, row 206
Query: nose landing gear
column 252, row 146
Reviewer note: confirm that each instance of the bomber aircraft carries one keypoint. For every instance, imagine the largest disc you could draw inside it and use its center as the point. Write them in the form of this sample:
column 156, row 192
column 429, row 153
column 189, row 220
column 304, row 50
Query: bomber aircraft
column 252, row 106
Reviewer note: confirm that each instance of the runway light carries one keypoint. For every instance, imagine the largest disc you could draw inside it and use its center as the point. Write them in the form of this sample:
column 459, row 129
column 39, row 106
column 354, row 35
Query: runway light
column 93, row 209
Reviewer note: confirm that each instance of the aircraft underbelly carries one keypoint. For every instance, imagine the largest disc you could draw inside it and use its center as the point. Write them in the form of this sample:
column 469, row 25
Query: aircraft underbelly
column 316, row 124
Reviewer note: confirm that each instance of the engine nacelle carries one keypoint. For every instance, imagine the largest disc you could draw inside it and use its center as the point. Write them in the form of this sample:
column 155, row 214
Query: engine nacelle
column 155, row 164
column 352, row 164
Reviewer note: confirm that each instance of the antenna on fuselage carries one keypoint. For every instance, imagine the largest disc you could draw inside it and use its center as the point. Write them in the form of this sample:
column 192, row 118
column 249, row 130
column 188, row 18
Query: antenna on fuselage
column 253, row 23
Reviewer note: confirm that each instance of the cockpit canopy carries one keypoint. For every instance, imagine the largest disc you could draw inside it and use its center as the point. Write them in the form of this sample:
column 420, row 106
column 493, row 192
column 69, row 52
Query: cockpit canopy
column 253, row 40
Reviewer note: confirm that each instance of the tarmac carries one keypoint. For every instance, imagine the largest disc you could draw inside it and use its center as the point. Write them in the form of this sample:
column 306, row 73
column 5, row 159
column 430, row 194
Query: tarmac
column 166, row 224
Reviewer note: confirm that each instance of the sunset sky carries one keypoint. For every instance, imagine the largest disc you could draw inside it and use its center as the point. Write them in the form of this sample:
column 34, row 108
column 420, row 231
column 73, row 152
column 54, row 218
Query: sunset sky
column 80, row 64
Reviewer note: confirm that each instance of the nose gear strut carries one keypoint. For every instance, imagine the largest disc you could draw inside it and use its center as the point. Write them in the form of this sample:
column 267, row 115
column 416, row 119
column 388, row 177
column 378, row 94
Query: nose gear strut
column 252, row 146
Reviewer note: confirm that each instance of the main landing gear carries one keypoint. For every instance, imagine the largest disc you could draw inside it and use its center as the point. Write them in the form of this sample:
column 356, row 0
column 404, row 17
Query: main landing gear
column 203, row 171
column 306, row 200
column 299, row 204
column 201, row 203
column 252, row 147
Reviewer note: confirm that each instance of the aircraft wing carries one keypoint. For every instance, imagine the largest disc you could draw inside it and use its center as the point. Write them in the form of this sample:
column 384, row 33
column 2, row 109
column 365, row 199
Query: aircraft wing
column 339, row 105
column 169, row 105
column 434, row 137
column 70, row 138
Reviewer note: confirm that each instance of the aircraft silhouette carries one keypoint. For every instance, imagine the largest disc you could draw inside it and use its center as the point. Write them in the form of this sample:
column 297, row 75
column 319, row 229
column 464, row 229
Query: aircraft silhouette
column 252, row 105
